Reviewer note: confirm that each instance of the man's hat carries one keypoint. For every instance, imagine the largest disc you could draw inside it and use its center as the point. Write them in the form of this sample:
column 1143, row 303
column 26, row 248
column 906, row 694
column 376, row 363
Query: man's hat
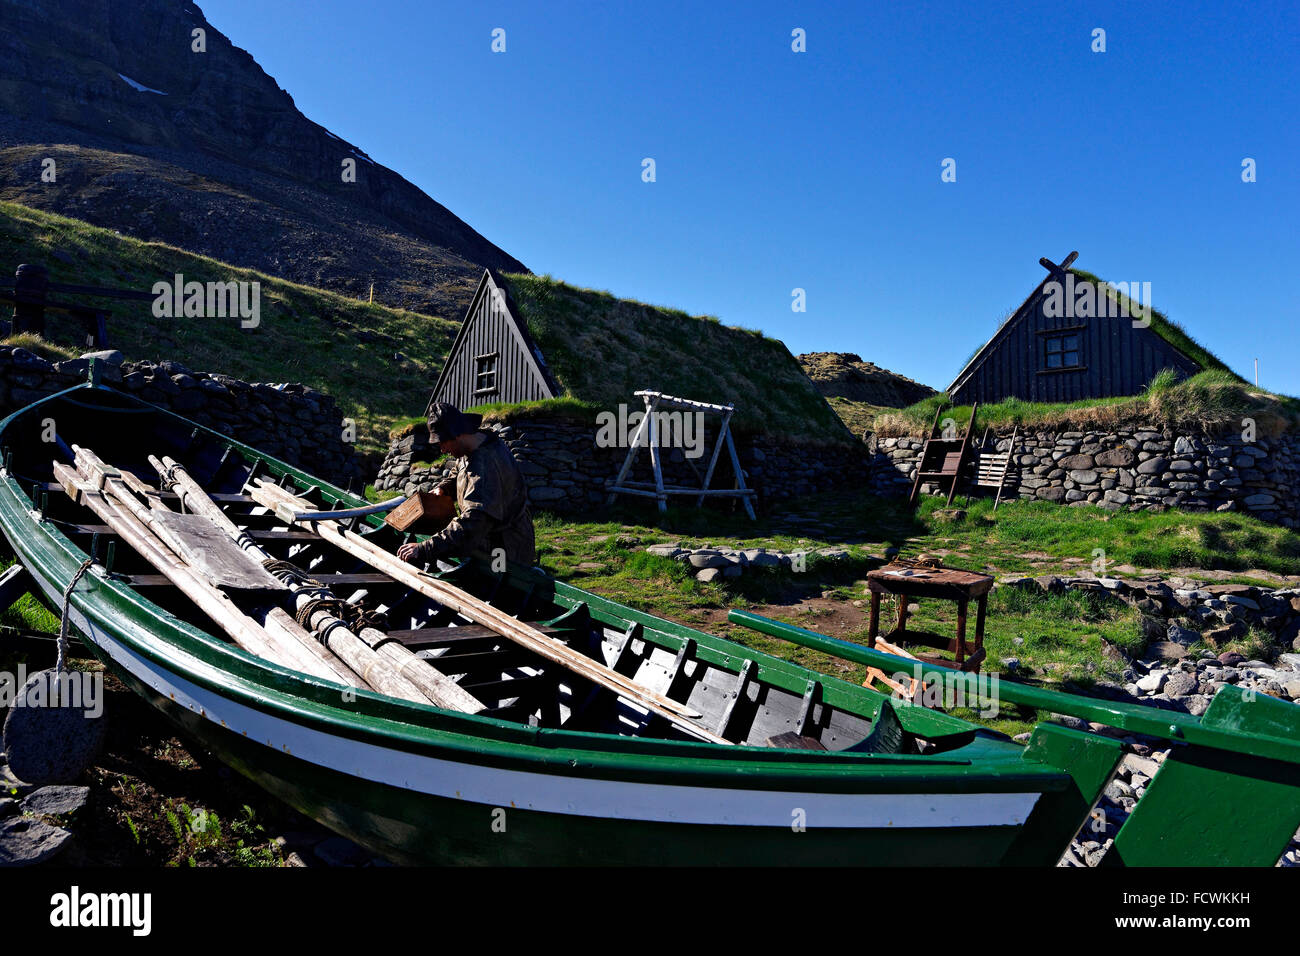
column 446, row 422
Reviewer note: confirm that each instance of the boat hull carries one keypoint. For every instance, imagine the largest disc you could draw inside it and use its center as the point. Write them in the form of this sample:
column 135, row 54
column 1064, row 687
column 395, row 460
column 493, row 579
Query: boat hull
column 408, row 824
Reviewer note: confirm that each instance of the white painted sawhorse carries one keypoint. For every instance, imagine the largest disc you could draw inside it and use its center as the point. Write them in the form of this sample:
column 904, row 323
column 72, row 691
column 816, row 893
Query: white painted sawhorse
column 648, row 433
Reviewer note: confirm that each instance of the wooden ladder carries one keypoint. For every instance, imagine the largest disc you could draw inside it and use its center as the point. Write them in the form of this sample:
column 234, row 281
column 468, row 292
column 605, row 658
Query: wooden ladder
column 991, row 468
column 942, row 458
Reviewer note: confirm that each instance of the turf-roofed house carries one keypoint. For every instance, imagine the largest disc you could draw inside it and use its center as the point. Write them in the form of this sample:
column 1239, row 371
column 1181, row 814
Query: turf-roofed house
column 549, row 361
column 1076, row 337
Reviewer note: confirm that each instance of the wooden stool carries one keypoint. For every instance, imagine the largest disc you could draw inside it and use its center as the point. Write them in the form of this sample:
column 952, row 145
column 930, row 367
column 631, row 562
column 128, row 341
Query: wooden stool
column 949, row 584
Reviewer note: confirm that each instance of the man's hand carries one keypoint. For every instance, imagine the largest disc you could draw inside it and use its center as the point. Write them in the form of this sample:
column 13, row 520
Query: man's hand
column 409, row 552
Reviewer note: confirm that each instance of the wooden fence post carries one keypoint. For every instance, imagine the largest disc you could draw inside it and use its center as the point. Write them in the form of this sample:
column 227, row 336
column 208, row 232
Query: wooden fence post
column 30, row 284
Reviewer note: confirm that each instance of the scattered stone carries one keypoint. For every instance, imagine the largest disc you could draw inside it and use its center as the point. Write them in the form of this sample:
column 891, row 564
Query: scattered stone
column 1180, row 684
column 1074, row 723
column 1151, row 683
column 707, row 559
column 56, row 800
column 107, row 356
column 708, row 575
column 1182, row 635
column 1168, row 650
column 1145, row 766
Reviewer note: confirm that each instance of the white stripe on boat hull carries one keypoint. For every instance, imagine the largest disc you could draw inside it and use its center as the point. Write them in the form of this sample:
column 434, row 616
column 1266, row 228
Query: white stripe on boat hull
column 557, row 793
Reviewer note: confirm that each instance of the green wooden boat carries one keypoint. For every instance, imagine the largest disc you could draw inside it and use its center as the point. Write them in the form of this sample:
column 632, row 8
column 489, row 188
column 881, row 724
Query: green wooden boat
column 558, row 769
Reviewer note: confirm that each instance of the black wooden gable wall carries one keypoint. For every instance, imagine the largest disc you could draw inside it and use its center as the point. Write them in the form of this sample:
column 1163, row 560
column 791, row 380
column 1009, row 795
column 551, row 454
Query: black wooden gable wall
column 1110, row 357
column 491, row 359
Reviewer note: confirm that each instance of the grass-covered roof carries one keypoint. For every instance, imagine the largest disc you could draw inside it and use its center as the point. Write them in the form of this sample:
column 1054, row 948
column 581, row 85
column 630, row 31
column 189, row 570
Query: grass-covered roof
column 1174, row 334
column 601, row 349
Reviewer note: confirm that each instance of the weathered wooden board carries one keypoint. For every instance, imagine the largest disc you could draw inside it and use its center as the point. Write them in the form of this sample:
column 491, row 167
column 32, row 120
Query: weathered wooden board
column 210, row 552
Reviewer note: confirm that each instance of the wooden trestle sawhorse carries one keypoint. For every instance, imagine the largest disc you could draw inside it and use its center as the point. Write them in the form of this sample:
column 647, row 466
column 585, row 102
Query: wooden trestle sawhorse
column 649, row 433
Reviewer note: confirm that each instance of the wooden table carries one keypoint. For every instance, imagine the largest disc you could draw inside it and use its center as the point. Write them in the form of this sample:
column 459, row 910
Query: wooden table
column 949, row 584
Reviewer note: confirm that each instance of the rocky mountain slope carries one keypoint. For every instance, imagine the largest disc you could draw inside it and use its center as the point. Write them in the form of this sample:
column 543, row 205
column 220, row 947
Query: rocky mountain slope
column 205, row 151
column 845, row 375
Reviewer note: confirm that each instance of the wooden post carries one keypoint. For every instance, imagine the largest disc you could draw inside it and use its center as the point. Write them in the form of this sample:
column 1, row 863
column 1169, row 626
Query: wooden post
column 627, row 461
column 873, row 627
column 713, row 458
column 651, row 407
column 961, row 632
column 31, row 282
column 920, row 462
column 740, row 475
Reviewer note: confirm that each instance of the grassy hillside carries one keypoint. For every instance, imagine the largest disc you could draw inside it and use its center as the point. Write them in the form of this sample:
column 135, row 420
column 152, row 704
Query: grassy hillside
column 601, row 349
column 378, row 363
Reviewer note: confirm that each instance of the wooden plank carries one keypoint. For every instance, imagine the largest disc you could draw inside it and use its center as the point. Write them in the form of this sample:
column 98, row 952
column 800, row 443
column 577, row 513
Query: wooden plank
column 215, row 603
column 14, row 583
column 387, row 666
column 205, row 548
column 792, row 741
column 260, row 534
column 742, row 685
column 165, row 495
column 438, row 636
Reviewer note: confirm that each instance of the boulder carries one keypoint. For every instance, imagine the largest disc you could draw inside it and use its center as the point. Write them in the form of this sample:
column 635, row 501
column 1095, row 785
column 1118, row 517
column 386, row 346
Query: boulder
column 1180, row 684
column 27, row 842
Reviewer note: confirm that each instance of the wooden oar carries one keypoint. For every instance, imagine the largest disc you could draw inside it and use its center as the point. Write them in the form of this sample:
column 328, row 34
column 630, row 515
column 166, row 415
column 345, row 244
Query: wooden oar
column 271, row 496
column 218, row 606
column 368, row 650
column 356, row 662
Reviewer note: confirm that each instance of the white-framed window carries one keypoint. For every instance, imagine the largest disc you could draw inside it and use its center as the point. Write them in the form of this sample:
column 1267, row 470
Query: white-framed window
column 485, row 373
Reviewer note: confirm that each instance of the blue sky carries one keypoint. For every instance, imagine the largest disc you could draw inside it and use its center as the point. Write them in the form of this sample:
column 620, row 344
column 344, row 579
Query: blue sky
column 821, row 170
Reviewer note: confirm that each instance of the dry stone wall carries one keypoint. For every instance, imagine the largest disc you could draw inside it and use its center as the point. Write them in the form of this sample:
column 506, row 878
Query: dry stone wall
column 1133, row 469
column 292, row 422
column 568, row 472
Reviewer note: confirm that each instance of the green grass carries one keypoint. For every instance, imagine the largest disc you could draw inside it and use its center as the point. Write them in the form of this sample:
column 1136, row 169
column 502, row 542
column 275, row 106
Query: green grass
column 1063, row 638
column 345, row 347
column 37, row 345
column 1024, row 535
column 601, row 349
column 1207, row 400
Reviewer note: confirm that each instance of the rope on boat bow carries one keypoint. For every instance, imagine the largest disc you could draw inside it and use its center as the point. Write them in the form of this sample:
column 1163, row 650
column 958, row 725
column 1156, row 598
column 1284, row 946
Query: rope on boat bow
column 61, row 662
column 353, row 616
